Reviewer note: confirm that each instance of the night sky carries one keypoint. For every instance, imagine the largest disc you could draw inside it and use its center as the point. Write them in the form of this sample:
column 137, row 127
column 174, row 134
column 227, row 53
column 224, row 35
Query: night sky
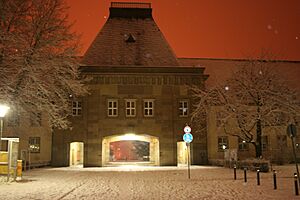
column 209, row 28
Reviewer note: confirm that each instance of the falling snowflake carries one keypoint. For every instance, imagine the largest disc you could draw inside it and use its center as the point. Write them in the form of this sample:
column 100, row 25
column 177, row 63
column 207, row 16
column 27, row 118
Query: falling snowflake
column 269, row 27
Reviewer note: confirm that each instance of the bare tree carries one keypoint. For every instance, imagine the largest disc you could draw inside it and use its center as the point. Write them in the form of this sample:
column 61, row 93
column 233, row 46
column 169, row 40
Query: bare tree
column 38, row 64
column 256, row 96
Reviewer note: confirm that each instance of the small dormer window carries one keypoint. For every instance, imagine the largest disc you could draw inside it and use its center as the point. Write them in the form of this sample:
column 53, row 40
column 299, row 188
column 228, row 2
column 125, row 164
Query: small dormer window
column 130, row 38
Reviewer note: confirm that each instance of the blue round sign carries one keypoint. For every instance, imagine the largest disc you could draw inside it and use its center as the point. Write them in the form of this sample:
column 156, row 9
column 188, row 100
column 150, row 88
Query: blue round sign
column 188, row 137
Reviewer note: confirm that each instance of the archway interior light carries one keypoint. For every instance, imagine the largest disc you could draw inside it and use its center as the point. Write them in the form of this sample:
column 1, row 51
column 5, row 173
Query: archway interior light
column 3, row 110
column 129, row 136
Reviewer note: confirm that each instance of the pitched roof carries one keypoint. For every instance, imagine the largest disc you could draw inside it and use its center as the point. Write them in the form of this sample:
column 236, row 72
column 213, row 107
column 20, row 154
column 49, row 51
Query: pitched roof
column 130, row 36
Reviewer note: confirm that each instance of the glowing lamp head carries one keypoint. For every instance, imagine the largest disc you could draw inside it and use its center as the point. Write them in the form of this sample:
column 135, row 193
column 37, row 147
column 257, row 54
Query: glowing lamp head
column 3, row 110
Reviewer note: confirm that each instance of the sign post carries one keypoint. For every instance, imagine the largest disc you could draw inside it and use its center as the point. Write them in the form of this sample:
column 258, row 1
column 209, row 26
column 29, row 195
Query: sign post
column 188, row 138
column 292, row 132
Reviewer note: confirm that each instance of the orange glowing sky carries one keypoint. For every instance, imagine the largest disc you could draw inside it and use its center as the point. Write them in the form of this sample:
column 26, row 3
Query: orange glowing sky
column 209, row 28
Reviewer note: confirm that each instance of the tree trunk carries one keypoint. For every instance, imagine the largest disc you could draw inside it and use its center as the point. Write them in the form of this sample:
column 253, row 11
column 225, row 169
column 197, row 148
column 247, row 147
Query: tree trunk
column 258, row 146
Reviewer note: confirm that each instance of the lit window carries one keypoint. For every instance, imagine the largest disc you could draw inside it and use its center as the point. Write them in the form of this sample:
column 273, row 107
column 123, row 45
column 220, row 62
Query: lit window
column 243, row 145
column 183, row 108
column 76, row 108
column 34, row 144
column 112, row 107
column 148, row 108
column 130, row 107
column 222, row 143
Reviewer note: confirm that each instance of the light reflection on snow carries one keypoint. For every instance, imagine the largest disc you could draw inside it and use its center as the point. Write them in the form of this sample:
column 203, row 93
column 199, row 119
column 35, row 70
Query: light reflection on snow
column 131, row 168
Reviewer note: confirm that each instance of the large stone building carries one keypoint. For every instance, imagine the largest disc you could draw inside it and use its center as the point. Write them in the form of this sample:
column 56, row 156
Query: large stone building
column 138, row 103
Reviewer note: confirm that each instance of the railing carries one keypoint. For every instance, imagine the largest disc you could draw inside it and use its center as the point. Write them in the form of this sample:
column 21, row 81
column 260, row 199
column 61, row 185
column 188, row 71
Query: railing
column 130, row 5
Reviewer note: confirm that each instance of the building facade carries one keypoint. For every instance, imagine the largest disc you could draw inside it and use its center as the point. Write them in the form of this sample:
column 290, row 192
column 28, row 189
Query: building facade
column 139, row 101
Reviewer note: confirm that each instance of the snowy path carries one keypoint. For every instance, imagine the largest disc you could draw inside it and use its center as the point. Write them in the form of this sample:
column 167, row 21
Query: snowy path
column 147, row 183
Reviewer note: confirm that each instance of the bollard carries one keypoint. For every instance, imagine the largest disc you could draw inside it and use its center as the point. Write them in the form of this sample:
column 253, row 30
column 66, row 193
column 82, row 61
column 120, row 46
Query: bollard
column 234, row 172
column 274, row 179
column 296, row 184
column 258, row 178
column 245, row 174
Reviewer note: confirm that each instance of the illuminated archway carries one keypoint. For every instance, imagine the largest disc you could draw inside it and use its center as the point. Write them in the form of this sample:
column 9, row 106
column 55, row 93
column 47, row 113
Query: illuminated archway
column 76, row 154
column 130, row 149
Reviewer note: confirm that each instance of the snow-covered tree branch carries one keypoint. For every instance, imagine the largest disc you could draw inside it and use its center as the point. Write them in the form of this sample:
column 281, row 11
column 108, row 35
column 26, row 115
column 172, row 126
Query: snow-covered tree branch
column 256, row 96
column 38, row 64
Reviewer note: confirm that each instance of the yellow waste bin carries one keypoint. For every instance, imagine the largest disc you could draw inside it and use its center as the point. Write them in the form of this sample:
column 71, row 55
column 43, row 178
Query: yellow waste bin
column 19, row 168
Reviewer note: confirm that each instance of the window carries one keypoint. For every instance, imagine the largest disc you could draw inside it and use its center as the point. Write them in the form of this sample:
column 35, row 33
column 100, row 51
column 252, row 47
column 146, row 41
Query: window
column 130, row 107
column 264, row 143
column 36, row 119
column 34, row 144
column 112, row 107
column 243, row 145
column 222, row 143
column 183, row 108
column 148, row 108
column 76, row 108
column 13, row 119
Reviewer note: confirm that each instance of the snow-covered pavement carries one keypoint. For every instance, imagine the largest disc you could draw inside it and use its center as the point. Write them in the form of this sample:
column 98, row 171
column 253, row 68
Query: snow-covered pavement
column 148, row 183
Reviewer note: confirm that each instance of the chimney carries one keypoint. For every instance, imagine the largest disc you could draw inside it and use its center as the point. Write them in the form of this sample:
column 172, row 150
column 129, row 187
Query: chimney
column 130, row 10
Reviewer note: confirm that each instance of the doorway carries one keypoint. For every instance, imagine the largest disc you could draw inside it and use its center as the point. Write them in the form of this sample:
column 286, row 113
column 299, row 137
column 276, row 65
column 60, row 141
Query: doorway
column 76, row 154
column 181, row 154
column 130, row 149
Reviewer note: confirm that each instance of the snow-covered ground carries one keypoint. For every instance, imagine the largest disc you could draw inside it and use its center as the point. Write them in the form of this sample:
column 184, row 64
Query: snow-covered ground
column 148, row 183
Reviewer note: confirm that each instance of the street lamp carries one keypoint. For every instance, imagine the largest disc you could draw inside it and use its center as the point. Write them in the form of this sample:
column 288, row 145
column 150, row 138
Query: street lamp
column 3, row 111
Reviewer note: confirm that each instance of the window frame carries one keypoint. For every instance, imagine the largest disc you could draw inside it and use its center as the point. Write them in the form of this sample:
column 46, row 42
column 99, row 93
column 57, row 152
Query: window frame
column 77, row 108
column 114, row 107
column 183, row 111
column 243, row 145
column 131, row 109
column 148, row 108
column 220, row 144
column 37, row 142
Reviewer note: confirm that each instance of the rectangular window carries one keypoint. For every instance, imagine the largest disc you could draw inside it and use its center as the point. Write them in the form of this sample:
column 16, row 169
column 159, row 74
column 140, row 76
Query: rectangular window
column 223, row 143
column 76, row 108
column 130, row 107
column 264, row 143
column 112, row 107
column 148, row 107
column 183, row 108
column 36, row 119
column 34, row 144
column 243, row 146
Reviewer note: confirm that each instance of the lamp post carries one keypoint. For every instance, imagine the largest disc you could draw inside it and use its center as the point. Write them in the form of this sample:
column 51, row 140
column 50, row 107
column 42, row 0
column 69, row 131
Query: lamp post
column 3, row 111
